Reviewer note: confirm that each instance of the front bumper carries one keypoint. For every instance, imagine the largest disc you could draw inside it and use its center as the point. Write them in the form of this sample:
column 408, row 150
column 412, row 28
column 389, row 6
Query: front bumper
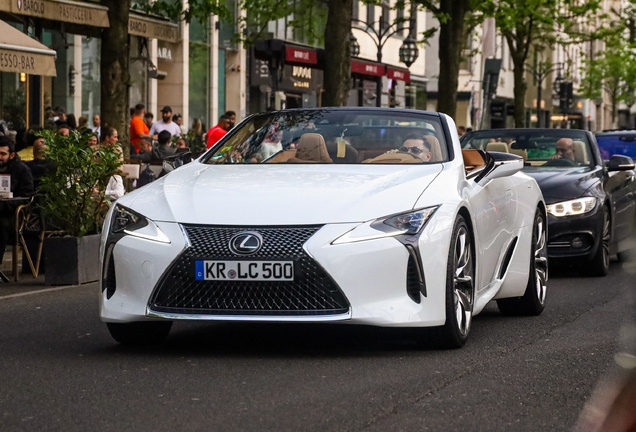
column 371, row 275
column 575, row 236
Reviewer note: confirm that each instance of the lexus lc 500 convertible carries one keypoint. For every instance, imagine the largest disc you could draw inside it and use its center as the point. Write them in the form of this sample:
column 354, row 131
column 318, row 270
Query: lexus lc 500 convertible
column 342, row 215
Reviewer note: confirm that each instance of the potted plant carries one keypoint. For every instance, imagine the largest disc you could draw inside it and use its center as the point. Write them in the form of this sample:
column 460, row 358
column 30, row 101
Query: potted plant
column 73, row 199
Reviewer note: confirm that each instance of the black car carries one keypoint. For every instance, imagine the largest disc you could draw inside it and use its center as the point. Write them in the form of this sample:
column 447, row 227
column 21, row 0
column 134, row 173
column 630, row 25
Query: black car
column 591, row 203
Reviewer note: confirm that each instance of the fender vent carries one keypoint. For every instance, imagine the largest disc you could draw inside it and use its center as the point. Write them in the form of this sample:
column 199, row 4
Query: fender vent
column 507, row 258
column 414, row 276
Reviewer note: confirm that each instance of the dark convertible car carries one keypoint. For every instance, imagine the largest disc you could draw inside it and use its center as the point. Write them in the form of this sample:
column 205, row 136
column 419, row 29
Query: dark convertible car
column 591, row 202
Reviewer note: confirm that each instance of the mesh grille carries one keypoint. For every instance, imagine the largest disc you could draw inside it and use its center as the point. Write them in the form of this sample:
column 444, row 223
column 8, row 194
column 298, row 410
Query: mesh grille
column 312, row 292
column 111, row 280
column 412, row 280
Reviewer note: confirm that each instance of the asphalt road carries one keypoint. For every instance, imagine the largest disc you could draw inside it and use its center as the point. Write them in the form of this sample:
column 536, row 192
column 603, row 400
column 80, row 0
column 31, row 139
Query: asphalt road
column 60, row 370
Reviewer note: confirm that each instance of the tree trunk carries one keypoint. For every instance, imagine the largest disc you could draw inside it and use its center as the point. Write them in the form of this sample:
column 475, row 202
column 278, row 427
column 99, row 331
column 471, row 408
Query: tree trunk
column 451, row 44
column 114, row 71
column 337, row 80
column 519, row 92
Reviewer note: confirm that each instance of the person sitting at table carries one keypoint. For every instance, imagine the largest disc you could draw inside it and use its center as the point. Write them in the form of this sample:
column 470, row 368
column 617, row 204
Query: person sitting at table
column 39, row 166
column 21, row 181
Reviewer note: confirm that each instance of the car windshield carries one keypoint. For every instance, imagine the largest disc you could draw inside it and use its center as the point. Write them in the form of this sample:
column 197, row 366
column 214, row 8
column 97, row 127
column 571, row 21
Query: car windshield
column 617, row 144
column 333, row 137
column 560, row 148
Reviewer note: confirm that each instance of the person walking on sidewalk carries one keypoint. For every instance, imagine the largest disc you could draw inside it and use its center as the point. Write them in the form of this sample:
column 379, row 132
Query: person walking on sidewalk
column 166, row 124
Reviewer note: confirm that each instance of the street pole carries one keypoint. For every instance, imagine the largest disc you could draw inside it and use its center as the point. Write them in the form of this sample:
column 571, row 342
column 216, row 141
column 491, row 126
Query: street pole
column 540, row 84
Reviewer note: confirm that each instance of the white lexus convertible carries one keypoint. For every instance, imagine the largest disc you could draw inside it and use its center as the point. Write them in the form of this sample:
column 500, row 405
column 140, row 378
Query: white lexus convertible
column 344, row 215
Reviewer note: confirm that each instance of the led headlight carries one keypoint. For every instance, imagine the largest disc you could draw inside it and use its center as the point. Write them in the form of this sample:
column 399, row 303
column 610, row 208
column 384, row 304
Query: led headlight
column 410, row 223
column 126, row 221
column 574, row 207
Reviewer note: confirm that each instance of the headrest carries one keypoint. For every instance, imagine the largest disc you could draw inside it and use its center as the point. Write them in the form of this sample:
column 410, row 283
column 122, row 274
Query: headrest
column 311, row 148
column 501, row 147
column 580, row 152
column 436, row 150
column 519, row 152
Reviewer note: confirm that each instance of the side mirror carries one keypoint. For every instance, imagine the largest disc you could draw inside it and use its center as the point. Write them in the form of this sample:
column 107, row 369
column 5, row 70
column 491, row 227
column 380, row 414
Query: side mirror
column 499, row 165
column 620, row 163
column 173, row 162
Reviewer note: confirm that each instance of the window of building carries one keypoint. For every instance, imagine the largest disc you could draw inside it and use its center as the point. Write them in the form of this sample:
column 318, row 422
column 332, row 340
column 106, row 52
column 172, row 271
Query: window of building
column 199, row 82
column 91, row 80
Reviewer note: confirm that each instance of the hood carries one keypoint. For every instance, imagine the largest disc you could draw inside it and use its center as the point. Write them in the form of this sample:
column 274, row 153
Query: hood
column 281, row 194
column 559, row 184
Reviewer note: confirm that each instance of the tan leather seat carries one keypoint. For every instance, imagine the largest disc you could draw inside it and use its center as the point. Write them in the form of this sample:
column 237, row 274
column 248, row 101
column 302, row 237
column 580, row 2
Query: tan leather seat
column 283, row 156
column 472, row 159
column 436, row 149
column 520, row 152
column 311, row 149
column 501, row 147
column 394, row 157
column 580, row 152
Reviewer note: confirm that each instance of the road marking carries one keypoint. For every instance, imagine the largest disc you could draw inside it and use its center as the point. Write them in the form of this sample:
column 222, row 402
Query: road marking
column 38, row 291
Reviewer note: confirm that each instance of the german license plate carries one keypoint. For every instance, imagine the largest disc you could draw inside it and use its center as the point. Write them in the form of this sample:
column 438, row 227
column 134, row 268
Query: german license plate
column 244, row 270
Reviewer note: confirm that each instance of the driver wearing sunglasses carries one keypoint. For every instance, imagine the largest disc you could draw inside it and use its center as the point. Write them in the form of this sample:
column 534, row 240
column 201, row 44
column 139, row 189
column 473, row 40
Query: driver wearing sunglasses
column 417, row 146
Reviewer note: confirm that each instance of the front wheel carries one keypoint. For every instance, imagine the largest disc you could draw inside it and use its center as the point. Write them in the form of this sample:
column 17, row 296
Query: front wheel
column 460, row 290
column 599, row 266
column 533, row 300
column 140, row 333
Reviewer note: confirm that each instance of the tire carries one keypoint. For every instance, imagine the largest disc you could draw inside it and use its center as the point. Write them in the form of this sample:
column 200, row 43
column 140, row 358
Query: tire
column 140, row 333
column 599, row 266
column 460, row 291
column 533, row 300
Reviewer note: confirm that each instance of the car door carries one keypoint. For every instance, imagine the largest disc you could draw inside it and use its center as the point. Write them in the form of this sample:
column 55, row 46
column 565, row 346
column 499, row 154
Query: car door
column 494, row 207
column 621, row 187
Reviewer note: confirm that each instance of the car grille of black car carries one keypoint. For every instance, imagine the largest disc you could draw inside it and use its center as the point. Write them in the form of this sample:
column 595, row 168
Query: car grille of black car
column 312, row 292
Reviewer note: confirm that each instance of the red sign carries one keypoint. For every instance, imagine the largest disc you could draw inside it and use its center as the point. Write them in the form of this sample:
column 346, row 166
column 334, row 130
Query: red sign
column 367, row 68
column 398, row 74
column 299, row 55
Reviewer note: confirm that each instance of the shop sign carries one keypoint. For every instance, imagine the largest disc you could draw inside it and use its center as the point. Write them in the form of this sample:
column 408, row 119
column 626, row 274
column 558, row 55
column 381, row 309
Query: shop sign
column 294, row 79
column 399, row 75
column 365, row 68
column 27, row 62
column 154, row 29
column 67, row 10
column 299, row 55
column 164, row 53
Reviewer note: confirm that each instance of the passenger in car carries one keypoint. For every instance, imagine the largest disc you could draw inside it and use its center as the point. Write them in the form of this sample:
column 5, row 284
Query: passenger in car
column 416, row 148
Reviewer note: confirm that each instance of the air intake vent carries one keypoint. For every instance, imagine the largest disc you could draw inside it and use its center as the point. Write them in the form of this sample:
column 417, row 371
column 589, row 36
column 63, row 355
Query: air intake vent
column 109, row 281
column 507, row 258
column 414, row 277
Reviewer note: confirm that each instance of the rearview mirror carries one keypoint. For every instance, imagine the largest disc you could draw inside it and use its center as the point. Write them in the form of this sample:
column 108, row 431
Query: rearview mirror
column 620, row 163
column 171, row 163
column 499, row 165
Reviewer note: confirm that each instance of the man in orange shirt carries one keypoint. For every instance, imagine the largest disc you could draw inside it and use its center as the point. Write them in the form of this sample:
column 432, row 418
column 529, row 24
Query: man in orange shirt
column 218, row 131
column 138, row 128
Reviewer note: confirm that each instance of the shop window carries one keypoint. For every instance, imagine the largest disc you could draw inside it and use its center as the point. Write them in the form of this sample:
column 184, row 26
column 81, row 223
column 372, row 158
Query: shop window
column 199, row 82
column 91, row 79
column 138, row 71
column 13, row 101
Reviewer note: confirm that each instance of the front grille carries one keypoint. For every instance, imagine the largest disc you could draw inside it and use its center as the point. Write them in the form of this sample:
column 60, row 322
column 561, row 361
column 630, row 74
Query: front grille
column 312, row 292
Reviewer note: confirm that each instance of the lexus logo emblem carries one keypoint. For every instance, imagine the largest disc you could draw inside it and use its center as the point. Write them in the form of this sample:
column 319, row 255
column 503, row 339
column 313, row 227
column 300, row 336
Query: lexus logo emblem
column 246, row 243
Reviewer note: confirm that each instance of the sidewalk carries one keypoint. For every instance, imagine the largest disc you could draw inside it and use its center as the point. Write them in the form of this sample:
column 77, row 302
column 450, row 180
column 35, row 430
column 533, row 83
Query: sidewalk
column 27, row 281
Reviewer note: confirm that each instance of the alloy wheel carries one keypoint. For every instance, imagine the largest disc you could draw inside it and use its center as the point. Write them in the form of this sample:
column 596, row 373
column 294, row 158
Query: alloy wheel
column 463, row 293
column 606, row 238
column 540, row 260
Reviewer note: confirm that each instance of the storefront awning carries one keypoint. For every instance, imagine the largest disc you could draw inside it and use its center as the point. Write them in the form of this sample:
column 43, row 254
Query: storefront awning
column 21, row 54
column 75, row 12
column 145, row 26
column 398, row 74
column 367, row 68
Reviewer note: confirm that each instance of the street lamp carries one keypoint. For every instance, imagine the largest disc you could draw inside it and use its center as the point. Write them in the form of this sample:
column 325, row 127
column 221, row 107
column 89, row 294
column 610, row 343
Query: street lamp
column 540, row 72
column 408, row 51
column 354, row 46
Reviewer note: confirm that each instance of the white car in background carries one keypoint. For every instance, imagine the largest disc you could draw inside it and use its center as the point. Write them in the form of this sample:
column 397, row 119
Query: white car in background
column 343, row 215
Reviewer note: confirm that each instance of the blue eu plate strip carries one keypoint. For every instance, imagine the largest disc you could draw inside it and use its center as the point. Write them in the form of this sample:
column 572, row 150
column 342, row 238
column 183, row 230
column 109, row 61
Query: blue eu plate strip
column 199, row 270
